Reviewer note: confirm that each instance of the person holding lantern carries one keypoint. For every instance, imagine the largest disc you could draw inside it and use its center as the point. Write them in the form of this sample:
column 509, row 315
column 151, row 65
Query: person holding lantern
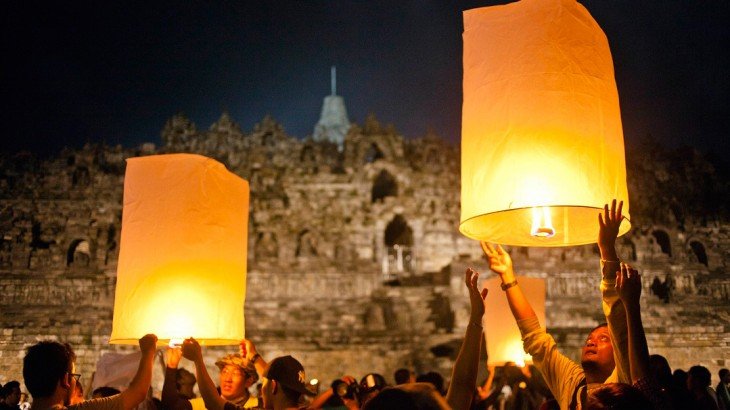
column 238, row 372
column 604, row 357
column 49, row 370
column 284, row 382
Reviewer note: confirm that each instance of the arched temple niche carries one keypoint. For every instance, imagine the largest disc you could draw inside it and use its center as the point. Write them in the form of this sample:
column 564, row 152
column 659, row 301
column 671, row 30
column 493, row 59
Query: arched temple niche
column 660, row 242
column 627, row 249
column 267, row 247
column 306, row 244
column 384, row 185
column 111, row 243
column 307, row 154
column 267, row 139
column 398, row 232
column 79, row 253
column 398, row 239
column 81, row 177
column 697, row 252
column 373, row 153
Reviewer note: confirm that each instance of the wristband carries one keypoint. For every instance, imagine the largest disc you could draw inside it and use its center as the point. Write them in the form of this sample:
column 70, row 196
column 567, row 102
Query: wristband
column 506, row 286
column 255, row 358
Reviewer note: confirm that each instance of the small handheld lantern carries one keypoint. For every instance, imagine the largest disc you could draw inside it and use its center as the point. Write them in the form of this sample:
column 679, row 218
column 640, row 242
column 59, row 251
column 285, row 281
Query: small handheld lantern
column 182, row 261
column 542, row 147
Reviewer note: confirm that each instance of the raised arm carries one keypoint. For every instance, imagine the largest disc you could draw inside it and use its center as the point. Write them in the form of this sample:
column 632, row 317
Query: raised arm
column 628, row 286
column 170, row 398
column 191, row 351
column 248, row 350
column 466, row 367
column 137, row 390
column 609, row 223
column 561, row 374
column 319, row 401
column 486, row 388
column 501, row 264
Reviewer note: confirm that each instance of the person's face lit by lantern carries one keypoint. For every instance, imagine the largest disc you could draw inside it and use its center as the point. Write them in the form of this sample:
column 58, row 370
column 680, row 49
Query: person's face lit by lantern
column 71, row 383
column 598, row 350
column 233, row 382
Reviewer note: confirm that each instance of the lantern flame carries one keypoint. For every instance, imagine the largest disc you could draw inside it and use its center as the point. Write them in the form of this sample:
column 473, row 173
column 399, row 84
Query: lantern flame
column 175, row 342
column 542, row 222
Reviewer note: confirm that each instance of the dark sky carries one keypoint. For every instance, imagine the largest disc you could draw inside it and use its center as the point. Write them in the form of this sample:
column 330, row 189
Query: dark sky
column 78, row 71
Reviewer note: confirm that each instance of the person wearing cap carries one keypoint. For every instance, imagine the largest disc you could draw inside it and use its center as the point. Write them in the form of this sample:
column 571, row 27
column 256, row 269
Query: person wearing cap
column 284, row 384
column 237, row 374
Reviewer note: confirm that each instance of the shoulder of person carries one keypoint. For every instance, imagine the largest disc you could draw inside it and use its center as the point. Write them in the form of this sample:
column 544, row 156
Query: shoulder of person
column 106, row 403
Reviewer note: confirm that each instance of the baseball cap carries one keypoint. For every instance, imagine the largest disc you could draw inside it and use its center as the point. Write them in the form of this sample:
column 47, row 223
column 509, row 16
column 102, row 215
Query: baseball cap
column 288, row 372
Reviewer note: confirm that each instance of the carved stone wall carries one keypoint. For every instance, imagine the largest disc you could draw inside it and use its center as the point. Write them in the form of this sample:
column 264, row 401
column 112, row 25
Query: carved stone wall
column 355, row 260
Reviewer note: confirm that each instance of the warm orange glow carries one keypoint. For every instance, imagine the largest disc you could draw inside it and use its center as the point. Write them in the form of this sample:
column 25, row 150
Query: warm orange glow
column 542, row 222
column 504, row 343
column 182, row 262
column 541, row 125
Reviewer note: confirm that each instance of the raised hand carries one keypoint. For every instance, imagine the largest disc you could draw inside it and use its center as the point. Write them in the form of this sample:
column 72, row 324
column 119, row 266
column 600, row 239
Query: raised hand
column 628, row 285
column 191, row 349
column 248, row 349
column 148, row 344
column 499, row 261
column 475, row 296
column 609, row 222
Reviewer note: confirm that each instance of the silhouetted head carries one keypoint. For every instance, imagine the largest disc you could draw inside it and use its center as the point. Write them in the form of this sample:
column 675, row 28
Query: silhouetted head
column 436, row 380
column 403, row 376
column 617, row 396
column 659, row 367
column 411, row 396
column 48, row 365
column 698, row 378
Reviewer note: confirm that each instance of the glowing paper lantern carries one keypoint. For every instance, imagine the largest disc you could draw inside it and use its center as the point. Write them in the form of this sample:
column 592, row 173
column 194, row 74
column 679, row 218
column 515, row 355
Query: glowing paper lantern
column 182, row 262
column 504, row 342
column 541, row 126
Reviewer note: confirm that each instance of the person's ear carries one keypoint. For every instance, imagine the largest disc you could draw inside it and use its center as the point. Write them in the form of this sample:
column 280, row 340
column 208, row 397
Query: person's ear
column 274, row 387
column 65, row 381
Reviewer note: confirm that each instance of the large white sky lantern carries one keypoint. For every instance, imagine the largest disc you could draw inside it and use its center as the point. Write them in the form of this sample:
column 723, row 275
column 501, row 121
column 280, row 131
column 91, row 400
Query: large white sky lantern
column 182, row 261
column 542, row 146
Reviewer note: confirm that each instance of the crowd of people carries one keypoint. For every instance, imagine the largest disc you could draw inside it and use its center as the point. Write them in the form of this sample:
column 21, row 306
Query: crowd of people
column 616, row 370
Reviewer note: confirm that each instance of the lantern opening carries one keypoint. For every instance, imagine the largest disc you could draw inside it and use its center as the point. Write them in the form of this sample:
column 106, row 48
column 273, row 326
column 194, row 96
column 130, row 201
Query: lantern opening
column 573, row 225
column 175, row 342
column 542, row 223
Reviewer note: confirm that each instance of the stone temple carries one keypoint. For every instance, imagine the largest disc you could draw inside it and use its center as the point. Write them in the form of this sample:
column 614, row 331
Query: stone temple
column 355, row 260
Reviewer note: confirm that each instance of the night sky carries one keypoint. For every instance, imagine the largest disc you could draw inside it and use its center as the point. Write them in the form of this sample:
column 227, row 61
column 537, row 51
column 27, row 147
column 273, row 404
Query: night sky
column 79, row 71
